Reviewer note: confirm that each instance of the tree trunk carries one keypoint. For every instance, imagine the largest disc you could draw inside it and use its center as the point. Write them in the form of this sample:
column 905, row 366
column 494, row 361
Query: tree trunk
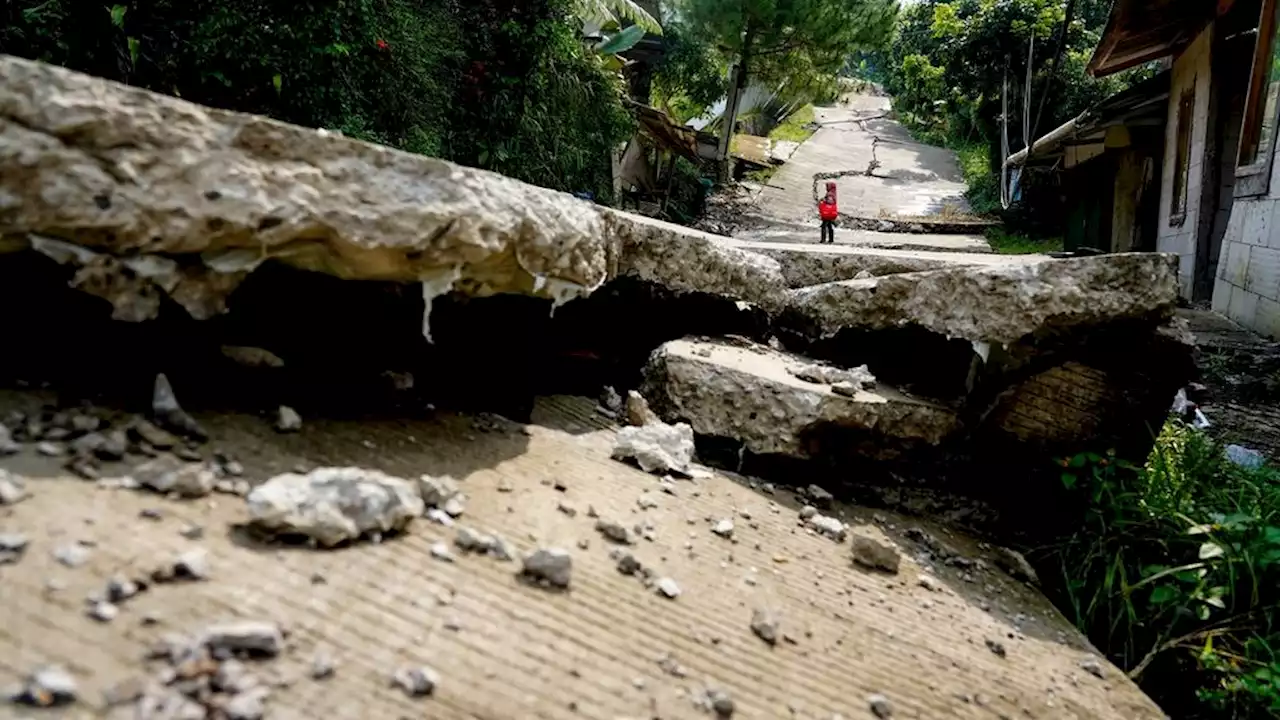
column 736, row 88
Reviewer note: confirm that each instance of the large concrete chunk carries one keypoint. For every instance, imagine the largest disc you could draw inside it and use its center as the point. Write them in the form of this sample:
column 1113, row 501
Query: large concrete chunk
column 1001, row 304
column 805, row 264
column 750, row 393
column 150, row 195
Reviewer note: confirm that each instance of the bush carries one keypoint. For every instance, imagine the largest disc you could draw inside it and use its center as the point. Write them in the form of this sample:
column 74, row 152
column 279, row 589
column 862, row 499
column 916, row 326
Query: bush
column 1175, row 573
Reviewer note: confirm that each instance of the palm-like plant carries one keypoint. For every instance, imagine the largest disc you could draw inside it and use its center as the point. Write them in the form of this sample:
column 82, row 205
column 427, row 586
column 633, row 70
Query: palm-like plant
column 602, row 12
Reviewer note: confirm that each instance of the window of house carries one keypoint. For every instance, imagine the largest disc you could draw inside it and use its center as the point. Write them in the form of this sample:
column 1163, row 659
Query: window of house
column 1182, row 161
column 1257, row 136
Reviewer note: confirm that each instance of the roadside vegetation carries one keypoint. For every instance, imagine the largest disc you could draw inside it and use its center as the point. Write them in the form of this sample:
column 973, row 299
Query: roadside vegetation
column 797, row 127
column 1174, row 573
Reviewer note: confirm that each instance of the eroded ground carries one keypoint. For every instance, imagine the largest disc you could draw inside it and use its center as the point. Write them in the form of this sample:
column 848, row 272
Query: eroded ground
column 610, row 647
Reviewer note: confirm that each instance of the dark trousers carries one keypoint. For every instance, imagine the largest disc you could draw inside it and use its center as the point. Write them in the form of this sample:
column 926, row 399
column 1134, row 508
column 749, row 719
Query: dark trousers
column 828, row 231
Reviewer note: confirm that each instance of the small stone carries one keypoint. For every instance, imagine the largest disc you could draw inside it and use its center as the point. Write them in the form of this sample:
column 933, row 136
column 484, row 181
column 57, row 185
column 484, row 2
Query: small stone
column 721, row 703
column 880, row 706
column 646, row 502
column 439, row 517
column 12, row 546
column 245, row 706
column 930, row 583
column 1093, row 666
column 505, row 486
column 322, row 667
column 656, row 447
column 188, row 453
column 453, row 507
column 121, row 588
column 874, row 555
column 669, row 666
column 51, row 449
column 584, row 544
column 124, row 692
column 170, row 475
column 567, row 509
column 440, row 551
column 114, row 446
column 997, row 648
column 807, row 512
column 49, row 686
column 628, row 564
column 819, row 496
column 83, row 467
column 288, row 420
column 170, row 415
column 468, row 540
column 103, row 611
column 550, row 566
column 258, row 637
column 638, row 412
column 614, row 531
column 610, row 400
column 437, row 490
column 151, row 514
column 829, row 527
column 333, row 505
column 8, row 446
column 87, row 444
column 765, row 625
column 192, row 565
column 416, row 681
column 668, row 588
column 12, row 489
column 72, row 555
column 723, row 528
column 192, row 532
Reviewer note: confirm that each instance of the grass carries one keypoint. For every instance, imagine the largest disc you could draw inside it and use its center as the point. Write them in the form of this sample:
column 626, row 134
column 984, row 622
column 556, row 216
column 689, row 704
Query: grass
column 1008, row 243
column 794, row 127
column 1174, row 573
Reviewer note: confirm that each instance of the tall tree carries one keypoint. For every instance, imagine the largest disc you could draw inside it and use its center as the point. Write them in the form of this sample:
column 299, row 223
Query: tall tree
column 772, row 39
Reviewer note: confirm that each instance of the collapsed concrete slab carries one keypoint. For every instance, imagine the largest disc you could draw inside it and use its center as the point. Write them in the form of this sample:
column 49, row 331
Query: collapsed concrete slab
column 997, row 305
column 805, row 264
column 750, row 393
column 191, row 193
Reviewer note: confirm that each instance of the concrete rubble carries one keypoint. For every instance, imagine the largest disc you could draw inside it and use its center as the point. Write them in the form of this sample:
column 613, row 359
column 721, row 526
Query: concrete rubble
column 334, row 505
column 751, row 393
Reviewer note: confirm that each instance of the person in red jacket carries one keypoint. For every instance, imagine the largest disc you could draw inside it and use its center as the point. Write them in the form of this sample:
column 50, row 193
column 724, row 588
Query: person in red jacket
column 827, row 212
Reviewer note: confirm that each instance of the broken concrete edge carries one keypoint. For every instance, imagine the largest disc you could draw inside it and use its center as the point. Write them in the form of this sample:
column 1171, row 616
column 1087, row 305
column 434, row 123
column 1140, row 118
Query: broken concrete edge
column 995, row 305
column 921, row 226
column 750, row 393
column 805, row 264
column 90, row 163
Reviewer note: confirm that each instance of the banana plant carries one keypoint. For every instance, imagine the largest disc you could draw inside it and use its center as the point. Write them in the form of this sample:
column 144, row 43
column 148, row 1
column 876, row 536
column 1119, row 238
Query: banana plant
column 603, row 12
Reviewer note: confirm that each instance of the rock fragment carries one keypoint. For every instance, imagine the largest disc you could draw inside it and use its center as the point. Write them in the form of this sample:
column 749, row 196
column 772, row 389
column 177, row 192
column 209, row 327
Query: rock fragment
column 170, row 475
column 880, row 706
column 51, row 449
column 103, row 611
column 416, row 681
column 437, row 490
column 858, row 378
column 170, row 415
column 723, row 528
column 638, row 412
column 288, row 420
column 930, row 583
column 997, row 648
column 322, row 666
column 333, row 505
column 441, row 551
column 72, row 555
column 614, row 531
column 627, row 564
column 874, row 555
column 12, row 546
column 248, row 637
column 829, row 526
column 1013, row 562
column 656, row 447
column 552, row 567
column 764, row 623
column 819, row 496
column 8, row 446
column 668, row 588
column 252, row 357
column 807, row 512
column 12, row 488
column 247, row 705
column 115, row 443
column 1093, row 666
column 721, row 703
column 50, row 686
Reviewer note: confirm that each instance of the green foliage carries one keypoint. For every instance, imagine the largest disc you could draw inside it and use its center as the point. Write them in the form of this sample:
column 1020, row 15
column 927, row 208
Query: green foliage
column 1175, row 573
column 605, row 12
column 691, row 76
column 501, row 84
column 1011, row 243
column 795, row 127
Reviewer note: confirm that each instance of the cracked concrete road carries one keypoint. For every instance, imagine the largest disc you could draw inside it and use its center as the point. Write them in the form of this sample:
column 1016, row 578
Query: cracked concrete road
column 607, row 648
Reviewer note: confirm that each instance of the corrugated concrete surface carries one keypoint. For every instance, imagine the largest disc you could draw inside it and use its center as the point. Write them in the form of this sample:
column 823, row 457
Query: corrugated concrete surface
column 505, row 650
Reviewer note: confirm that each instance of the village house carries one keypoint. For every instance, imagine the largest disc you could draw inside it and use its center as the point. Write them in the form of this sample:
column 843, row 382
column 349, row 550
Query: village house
column 1206, row 191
